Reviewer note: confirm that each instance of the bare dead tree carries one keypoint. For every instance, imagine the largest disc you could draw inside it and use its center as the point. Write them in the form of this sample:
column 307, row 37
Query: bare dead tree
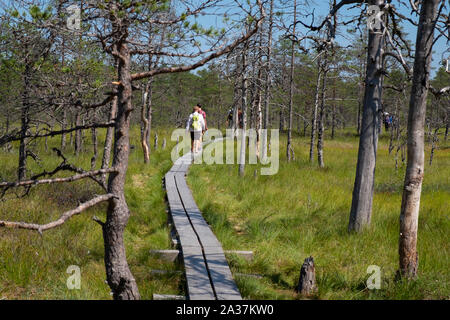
column 409, row 215
column 314, row 112
column 268, row 80
column 289, row 148
column 361, row 210
column 243, row 137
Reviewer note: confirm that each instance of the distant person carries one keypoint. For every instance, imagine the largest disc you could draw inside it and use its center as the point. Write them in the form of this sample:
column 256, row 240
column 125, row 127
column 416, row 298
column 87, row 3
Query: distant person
column 203, row 113
column 230, row 119
column 241, row 118
column 386, row 121
column 196, row 126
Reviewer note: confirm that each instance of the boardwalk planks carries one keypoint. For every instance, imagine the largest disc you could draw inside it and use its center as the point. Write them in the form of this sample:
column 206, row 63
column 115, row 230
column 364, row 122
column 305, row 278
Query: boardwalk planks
column 208, row 275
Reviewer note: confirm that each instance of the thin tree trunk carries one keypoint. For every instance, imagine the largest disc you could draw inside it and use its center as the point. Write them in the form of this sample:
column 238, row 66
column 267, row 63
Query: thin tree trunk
column 289, row 149
column 333, row 111
column 320, row 125
column 7, row 122
column 305, row 122
column 267, row 84
column 314, row 116
column 281, row 116
column 362, row 199
column 235, row 121
column 145, row 118
column 258, row 97
column 119, row 277
column 24, row 118
column 64, row 119
column 446, row 131
column 63, row 127
column 434, row 140
column 155, row 146
column 78, row 137
column 95, row 144
column 409, row 215
column 71, row 135
column 244, row 112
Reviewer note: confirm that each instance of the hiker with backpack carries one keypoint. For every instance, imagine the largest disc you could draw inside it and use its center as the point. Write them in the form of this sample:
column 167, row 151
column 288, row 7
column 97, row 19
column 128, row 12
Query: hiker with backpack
column 196, row 125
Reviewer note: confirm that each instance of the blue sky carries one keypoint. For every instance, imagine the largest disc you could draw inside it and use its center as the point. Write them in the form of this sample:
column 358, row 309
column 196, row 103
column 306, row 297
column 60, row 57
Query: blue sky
column 321, row 8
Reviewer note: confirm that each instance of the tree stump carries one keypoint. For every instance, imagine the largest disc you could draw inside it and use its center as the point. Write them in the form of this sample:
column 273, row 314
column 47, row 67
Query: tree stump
column 163, row 144
column 156, row 141
column 307, row 282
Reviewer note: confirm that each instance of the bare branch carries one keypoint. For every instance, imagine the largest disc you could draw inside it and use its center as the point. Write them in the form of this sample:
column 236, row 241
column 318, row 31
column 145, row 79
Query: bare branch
column 64, row 217
column 76, row 177
column 16, row 135
column 225, row 50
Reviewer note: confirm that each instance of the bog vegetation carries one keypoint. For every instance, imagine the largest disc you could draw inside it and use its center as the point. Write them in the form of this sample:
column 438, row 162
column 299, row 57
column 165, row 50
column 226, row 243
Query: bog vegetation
column 91, row 91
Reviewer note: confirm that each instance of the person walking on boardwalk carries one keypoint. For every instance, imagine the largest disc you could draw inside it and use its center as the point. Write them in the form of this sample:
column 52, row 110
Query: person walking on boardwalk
column 196, row 125
column 203, row 113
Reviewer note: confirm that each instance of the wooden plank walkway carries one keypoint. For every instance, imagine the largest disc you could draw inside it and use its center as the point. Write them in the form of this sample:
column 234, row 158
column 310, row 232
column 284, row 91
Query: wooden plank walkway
column 207, row 272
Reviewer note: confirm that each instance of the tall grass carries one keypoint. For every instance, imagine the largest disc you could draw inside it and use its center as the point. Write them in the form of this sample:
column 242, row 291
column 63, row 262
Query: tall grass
column 304, row 210
column 301, row 211
column 34, row 267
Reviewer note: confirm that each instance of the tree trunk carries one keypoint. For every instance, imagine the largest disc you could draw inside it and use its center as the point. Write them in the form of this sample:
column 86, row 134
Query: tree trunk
column 446, row 131
column 320, row 125
column 63, row 127
column 333, row 111
column 314, row 116
column 244, row 112
column 267, row 84
column 146, row 118
column 71, row 135
column 155, row 146
column 434, row 140
column 119, row 277
column 95, row 144
column 258, row 97
column 25, row 121
column 307, row 282
column 281, row 116
column 361, row 209
column 78, row 133
column 409, row 215
column 289, row 149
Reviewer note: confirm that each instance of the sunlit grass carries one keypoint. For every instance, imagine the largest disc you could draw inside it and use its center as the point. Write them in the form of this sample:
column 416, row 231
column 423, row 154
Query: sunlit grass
column 301, row 211
column 34, row 267
column 304, row 210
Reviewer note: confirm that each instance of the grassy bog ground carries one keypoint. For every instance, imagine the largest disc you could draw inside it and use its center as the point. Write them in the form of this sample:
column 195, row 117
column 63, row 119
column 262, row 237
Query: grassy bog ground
column 301, row 211
column 304, row 210
column 34, row 267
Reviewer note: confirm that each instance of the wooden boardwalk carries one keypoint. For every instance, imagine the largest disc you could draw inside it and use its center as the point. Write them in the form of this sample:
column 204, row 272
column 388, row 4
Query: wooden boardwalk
column 208, row 275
